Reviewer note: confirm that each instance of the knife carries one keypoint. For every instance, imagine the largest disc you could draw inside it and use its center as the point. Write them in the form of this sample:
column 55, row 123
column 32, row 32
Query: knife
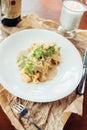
column 81, row 87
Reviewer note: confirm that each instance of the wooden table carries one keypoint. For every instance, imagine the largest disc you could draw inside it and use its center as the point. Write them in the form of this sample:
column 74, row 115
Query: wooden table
column 51, row 9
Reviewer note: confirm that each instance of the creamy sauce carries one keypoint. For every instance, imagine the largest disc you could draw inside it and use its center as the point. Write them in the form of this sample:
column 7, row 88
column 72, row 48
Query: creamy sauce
column 52, row 73
column 21, row 53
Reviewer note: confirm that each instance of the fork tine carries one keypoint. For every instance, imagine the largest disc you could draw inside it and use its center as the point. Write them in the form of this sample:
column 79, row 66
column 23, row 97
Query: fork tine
column 23, row 112
column 20, row 105
column 17, row 107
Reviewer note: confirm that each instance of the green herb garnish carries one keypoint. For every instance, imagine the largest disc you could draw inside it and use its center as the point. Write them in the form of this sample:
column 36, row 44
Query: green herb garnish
column 26, row 64
column 50, row 51
column 21, row 58
column 40, row 52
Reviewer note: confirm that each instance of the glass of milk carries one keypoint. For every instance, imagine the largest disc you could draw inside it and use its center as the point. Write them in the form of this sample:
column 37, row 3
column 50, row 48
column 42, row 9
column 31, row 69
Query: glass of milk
column 71, row 14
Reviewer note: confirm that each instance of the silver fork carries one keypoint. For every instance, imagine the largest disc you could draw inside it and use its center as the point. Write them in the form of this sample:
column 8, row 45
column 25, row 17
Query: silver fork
column 22, row 111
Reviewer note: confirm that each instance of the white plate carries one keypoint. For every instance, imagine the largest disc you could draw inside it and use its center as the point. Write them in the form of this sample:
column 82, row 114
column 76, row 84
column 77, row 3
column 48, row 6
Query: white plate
column 66, row 80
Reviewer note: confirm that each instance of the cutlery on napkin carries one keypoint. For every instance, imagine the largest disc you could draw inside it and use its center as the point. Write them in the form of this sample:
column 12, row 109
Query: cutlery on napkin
column 81, row 87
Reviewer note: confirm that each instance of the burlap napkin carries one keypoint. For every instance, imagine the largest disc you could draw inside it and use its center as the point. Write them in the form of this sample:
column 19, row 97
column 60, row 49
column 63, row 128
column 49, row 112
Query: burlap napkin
column 52, row 115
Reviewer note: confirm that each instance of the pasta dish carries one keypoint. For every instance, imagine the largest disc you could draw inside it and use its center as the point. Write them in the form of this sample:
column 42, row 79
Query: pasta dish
column 37, row 61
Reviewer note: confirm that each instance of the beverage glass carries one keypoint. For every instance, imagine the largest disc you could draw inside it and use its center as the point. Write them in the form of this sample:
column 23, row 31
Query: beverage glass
column 71, row 14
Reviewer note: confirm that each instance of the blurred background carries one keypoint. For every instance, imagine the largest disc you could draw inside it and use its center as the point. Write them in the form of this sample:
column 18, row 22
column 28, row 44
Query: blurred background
column 45, row 8
column 48, row 9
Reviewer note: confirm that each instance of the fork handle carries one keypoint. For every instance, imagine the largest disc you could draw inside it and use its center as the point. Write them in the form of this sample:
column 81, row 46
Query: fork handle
column 81, row 87
column 38, row 128
column 33, row 123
